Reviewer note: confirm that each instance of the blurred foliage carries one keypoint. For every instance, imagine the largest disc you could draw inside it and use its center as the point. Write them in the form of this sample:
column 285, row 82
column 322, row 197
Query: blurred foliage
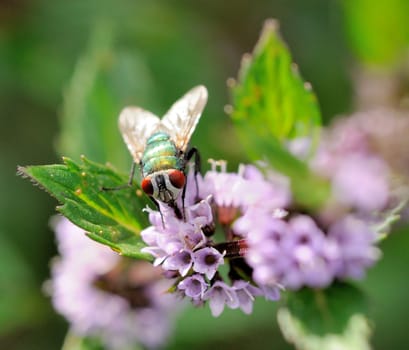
column 18, row 305
column 325, row 319
column 170, row 46
column 353, row 337
column 271, row 106
column 378, row 31
column 104, row 81
column 73, row 342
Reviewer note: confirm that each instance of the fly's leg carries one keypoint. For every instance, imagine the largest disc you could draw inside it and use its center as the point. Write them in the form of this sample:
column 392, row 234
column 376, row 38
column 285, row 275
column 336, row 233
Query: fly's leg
column 170, row 204
column 193, row 152
column 183, row 203
column 176, row 210
column 154, row 201
column 128, row 184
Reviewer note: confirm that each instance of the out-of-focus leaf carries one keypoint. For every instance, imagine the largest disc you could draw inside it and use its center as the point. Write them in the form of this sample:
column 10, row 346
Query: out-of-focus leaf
column 271, row 104
column 333, row 318
column 105, row 80
column 377, row 30
column 113, row 218
column 75, row 342
column 308, row 189
column 270, row 96
column 20, row 301
column 231, row 330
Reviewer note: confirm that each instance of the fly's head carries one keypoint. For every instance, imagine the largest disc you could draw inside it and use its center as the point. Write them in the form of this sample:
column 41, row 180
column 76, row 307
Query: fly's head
column 164, row 185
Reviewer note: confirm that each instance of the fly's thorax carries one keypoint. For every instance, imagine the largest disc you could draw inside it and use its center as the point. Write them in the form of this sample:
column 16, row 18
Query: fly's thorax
column 160, row 154
column 164, row 185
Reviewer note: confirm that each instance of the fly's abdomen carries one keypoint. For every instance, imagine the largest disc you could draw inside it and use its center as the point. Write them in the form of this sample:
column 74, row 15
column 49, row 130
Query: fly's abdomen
column 160, row 154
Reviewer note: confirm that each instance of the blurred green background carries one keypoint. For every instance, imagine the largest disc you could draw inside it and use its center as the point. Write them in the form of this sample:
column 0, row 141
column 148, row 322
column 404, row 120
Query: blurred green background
column 60, row 59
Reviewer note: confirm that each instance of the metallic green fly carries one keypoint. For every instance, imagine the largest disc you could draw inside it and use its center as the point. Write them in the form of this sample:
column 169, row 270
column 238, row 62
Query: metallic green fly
column 161, row 146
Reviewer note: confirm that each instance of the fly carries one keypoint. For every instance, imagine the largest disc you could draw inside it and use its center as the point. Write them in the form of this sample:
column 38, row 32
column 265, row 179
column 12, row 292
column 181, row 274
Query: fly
column 161, row 146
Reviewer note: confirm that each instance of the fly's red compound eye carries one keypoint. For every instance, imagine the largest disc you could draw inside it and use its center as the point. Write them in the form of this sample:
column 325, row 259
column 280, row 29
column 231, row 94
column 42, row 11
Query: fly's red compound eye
column 177, row 178
column 147, row 186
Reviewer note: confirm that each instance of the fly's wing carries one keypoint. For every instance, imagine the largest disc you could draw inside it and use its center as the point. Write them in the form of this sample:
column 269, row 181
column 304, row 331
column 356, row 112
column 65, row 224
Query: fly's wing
column 136, row 125
column 183, row 116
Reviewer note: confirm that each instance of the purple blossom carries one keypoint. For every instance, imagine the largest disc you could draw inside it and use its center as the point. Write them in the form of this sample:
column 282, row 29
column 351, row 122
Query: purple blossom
column 271, row 293
column 362, row 182
column 206, row 261
column 219, row 295
column 347, row 157
column 265, row 253
column 379, row 132
column 305, row 245
column 264, row 236
column 187, row 248
column 200, row 214
column 245, row 295
column 235, row 193
column 83, row 290
column 269, row 192
column 223, row 186
column 181, row 261
column 356, row 241
column 193, row 286
column 296, row 253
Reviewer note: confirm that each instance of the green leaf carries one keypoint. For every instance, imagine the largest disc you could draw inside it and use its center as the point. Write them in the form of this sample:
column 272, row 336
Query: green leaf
column 380, row 36
column 105, row 80
column 272, row 104
column 270, row 96
column 113, row 218
column 333, row 318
